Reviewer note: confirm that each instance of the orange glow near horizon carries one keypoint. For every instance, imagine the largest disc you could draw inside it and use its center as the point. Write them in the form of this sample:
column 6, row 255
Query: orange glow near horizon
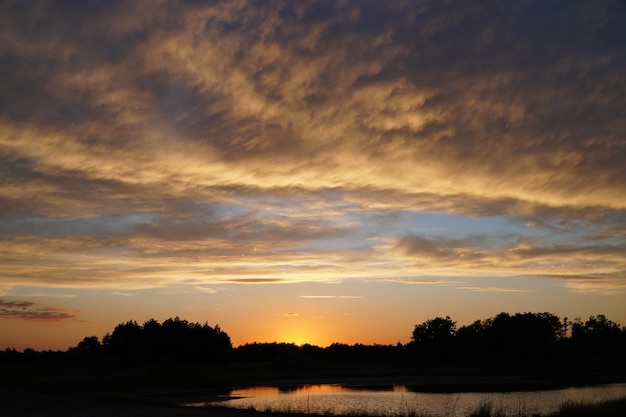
column 379, row 316
column 301, row 333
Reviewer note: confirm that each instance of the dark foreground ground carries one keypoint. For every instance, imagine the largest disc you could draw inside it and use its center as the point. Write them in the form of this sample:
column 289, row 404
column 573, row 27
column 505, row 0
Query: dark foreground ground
column 156, row 392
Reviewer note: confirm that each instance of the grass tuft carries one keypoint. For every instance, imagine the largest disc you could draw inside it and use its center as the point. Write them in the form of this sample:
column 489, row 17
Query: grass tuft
column 485, row 409
column 610, row 408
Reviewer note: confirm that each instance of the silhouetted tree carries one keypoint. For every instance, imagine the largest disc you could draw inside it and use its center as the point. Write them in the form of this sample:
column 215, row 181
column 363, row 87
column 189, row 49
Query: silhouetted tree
column 519, row 338
column 175, row 341
column 338, row 354
column 10, row 356
column 471, row 343
column 434, row 339
column 87, row 352
column 124, row 344
column 598, row 338
column 153, row 342
column 89, row 344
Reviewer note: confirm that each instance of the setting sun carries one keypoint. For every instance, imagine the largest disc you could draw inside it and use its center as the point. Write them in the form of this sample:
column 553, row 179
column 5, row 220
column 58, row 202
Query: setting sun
column 299, row 332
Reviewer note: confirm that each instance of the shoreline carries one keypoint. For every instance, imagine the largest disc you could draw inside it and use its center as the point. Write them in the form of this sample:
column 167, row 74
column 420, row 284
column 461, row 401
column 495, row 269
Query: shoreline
column 62, row 392
column 106, row 404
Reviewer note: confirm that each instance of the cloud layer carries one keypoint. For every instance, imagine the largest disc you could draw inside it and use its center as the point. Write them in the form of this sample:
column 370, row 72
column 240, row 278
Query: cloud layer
column 147, row 143
column 31, row 311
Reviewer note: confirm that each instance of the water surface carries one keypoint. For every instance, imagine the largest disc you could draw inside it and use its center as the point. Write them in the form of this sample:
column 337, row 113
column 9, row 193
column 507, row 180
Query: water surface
column 399, row 399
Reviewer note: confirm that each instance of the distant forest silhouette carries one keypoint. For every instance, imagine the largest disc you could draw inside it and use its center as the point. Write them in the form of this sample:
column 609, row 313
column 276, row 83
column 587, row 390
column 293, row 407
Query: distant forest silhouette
column 501, row 341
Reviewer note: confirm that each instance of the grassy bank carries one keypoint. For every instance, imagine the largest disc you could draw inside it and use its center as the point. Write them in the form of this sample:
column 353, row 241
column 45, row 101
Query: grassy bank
column 611, row 408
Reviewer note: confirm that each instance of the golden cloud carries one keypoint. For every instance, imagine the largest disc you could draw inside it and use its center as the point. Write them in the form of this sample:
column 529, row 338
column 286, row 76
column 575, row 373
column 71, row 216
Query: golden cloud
column 252, row 136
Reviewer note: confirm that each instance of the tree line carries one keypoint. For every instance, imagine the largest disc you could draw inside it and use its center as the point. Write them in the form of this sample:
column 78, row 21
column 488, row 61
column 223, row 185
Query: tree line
column 503, row 340
column 173, row 342
column 519, row 339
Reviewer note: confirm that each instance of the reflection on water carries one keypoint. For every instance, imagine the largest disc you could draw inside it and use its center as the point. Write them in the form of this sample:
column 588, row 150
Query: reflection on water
column 398, row 399
column 313, row 389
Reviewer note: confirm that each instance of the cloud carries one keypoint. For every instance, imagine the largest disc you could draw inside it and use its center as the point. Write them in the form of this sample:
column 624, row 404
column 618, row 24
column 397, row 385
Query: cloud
column 324, row 297
column 49, row 294
column 277, row 142
column 256, row 281
column 17, row 304
column 489, row 288
column 413, row 281
column 601, row 284
column 31, row 311
column 511, row 256
column 599, row 287
column 205, row 290
column 243, row 105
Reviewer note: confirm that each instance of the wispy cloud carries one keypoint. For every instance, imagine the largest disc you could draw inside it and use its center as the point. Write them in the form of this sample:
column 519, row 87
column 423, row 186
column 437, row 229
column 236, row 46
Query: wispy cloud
column 519, row 256
column 269, row 142
column 31, row 311
column 206, row 290
column 256, row 281
column 489, row 288
column 323, row 297
column 45, row 294
column 424, row 281
column 17, row 304
column 602, row 284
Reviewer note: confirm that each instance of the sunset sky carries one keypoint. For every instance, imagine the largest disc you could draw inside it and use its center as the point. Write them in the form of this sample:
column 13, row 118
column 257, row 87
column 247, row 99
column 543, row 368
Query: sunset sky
column 308, row 171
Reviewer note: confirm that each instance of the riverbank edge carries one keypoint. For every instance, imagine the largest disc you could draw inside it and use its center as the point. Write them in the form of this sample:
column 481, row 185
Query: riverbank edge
column 159, row 393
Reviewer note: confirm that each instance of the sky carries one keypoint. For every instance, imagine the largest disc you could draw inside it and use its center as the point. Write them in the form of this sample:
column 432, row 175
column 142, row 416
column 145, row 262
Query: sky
column 308, row 171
